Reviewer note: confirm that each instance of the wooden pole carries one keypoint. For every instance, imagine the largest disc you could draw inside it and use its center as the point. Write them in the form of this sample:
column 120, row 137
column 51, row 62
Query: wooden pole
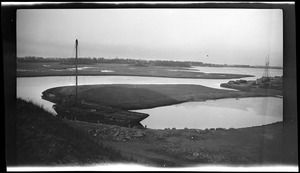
column 76, row 46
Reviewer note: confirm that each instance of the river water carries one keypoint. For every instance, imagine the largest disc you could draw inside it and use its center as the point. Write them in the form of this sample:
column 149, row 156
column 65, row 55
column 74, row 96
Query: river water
column 223, row 113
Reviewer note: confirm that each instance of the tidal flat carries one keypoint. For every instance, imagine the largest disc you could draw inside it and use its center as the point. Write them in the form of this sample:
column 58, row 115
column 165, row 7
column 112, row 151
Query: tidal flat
column 57, row 69
column 130, row 97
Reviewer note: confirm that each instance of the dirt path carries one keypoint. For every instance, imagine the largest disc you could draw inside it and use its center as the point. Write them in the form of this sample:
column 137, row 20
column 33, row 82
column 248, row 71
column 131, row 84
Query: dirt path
column 183, row 147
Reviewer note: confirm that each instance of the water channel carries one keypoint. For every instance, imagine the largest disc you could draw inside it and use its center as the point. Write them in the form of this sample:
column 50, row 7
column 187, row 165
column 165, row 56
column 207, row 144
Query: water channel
column 224, row 113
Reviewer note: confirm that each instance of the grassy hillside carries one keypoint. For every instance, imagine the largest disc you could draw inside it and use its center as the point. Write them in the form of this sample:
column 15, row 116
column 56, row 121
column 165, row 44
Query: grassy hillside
column 43, row 139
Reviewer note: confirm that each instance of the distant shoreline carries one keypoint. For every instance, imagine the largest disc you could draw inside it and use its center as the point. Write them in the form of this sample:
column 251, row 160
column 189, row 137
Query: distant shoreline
column 137, row 62
column 236, row 76
column 38, row 69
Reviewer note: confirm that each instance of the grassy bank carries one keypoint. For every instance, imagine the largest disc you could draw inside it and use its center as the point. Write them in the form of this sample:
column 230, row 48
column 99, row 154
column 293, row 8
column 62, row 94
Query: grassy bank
column 42, row 139
column 45, row 140
column 57, row 69
column 130, row 97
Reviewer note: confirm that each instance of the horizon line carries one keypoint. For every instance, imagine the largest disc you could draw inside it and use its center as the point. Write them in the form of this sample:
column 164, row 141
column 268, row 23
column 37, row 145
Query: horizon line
column 155, row 60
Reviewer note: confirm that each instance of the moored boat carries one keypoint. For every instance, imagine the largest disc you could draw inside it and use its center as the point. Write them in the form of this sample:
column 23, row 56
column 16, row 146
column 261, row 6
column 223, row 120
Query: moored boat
column 104, row 115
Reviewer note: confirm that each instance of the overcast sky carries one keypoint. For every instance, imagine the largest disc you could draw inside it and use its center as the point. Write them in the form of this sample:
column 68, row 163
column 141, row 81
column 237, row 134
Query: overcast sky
column 222, row 36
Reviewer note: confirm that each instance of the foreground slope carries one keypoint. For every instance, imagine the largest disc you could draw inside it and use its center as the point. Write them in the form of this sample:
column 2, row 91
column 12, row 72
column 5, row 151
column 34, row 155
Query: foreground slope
column 45, row 140
column 42, row 139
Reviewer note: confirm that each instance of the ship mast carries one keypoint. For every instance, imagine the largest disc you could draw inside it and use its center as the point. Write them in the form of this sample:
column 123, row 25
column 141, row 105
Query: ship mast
column 266, row 71
column 76, row 46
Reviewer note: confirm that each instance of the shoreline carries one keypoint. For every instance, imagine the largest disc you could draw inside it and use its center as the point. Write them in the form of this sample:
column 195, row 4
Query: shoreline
column 146, row 96
column 139, row 75
column 56, row 69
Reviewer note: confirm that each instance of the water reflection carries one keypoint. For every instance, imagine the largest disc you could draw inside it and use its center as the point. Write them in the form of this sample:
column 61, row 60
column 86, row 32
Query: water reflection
column 225, row 113
column 256, row 72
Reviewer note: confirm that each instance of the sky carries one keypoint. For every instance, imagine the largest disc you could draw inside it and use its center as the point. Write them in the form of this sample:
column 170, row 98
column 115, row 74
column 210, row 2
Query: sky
column 220, row 36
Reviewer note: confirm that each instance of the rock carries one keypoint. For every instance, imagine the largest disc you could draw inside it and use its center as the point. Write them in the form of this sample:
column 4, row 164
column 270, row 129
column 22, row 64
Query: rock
column 160, row 136
column 127, row 137
column 116, row 134
column 139, row 134
column 199, row 131
column 195, row 154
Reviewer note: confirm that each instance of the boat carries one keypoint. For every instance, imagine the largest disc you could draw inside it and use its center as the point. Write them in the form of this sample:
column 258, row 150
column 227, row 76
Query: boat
column 100, row 114
column 80, row 110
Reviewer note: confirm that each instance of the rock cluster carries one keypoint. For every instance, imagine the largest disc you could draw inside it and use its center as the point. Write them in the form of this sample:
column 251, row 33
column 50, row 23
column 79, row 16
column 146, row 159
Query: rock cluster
column 116, row 133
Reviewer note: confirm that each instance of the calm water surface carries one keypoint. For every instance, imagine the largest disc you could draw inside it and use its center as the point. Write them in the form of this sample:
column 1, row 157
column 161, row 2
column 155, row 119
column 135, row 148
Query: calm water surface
column 257, row 72
column 219, row 113
column 225, row 113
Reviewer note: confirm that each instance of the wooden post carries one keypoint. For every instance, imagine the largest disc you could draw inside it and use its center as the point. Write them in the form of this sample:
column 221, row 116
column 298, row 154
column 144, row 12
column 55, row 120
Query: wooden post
column 76, row 46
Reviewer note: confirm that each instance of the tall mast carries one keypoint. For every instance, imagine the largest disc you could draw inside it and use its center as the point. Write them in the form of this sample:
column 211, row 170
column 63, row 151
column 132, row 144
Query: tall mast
column 76, row 46
column 266, row 72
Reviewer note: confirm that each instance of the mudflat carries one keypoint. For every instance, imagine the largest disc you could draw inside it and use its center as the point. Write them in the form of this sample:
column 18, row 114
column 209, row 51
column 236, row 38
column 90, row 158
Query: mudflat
column 57, row 69
column 130, row 97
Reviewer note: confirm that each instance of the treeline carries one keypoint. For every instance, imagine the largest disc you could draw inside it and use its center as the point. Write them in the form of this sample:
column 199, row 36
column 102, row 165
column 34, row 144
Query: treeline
column 136, row 62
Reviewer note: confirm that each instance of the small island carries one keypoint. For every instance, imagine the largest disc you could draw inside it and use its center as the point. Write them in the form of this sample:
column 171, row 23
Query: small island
column 272, row 85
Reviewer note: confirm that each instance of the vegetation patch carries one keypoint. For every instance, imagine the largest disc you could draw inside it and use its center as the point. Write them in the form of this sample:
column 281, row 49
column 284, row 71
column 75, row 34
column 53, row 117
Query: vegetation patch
column 43, row 139
column 133, row 97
